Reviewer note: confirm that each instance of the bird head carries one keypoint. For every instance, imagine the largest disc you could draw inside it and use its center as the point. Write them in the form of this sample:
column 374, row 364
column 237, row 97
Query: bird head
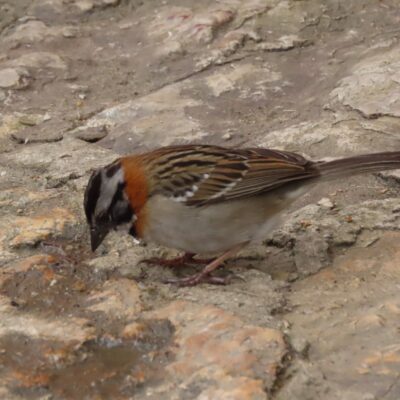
column 106, row 203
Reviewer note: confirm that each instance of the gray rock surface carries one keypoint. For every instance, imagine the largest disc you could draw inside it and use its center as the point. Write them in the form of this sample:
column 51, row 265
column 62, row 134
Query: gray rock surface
column 311, row 312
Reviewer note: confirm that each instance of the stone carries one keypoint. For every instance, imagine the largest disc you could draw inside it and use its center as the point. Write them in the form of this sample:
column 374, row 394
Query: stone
column 37, row 135
column 123, row 254
column 156, row 118
column 185, row 25
column 350, row 296
column 134, row 330
column 229, row 388
column 284, row 43
column 28, row 32
column 52, row 8
column 254, row 296
column 69, row 32
column 9, row 394
column 28, row 120
column 370, row 321
column 380, row 362
column 306, row 382
column 232, row 41
column 326, row 203
column 78, row 89
column 227, row 136
column 92, row 135
column 313, row 232
column 369, row 88
column 28, row 231
column 119, row 298
column 341, row 138
column 172, row 49
column 12, row 123
column 393, row 307
column 84, row 5
column 227, row 79
column 22, row 198
column 227, row 72
column 216, row 348
column 300, row 345
column 311, row 252
column 39, row 59
column 111, row 2
column 14, row 78
column 67, row 329
column 181, row 28
column 393, row 175
column 24, row 265
column 37, row 31
column 27, row 263
column 73, row 160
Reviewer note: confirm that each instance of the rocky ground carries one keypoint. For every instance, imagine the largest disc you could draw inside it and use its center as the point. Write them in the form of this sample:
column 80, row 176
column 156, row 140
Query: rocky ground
column 311, row 313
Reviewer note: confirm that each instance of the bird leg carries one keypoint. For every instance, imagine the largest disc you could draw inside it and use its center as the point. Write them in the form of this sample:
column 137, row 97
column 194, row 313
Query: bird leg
column 204, row 275
column 187, row 258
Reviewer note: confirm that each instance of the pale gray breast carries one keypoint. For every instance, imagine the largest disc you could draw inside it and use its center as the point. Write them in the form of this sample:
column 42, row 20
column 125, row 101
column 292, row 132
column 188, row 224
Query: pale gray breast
column 215, row 228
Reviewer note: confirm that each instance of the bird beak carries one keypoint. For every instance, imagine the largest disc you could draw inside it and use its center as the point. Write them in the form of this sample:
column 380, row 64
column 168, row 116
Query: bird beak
column 97, row 235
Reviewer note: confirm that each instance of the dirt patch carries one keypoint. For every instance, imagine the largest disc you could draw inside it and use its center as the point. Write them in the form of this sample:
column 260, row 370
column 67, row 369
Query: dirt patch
column 102, row 368
column 108, row 365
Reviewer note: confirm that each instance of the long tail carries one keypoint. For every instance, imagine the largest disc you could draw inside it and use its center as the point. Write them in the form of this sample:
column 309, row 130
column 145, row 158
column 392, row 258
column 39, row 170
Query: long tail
column 359, row 164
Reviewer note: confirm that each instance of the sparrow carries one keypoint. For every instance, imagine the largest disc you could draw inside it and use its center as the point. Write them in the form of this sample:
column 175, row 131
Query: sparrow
column 204, row 199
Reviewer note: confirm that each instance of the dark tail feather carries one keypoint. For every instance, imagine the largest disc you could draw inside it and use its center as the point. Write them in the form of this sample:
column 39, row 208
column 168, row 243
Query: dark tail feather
column 359, row 164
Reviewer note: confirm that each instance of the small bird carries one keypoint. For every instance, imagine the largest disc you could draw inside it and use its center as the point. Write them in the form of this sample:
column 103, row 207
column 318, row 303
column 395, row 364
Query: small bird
column 204, row 199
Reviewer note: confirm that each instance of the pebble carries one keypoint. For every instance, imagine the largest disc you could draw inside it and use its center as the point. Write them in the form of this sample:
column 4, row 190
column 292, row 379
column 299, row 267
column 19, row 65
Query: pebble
column 75, row 88
column 38, row 59
column 29, row 31
column 28, row 120
column 31, row 230
column 92, row 135
column 110, row 2
column 69, row 32
column 35, row 134
column 84, row 5
column 326, row 203
column 14, row 78
column 300, row 345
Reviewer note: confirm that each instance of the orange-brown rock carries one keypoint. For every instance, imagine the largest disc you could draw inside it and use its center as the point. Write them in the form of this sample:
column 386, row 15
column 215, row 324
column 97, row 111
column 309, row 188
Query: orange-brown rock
column 237, row 360
column 31, row 230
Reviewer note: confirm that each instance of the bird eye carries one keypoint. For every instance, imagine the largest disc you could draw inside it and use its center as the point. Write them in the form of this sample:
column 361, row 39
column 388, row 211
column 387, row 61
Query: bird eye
column 121, row 212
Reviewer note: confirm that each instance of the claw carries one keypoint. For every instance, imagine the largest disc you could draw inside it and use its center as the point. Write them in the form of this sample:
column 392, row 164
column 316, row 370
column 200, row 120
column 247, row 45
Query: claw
column 205, row 275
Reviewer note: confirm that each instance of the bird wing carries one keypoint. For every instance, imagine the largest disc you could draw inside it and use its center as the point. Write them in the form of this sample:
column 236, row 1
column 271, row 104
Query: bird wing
column 201, row 175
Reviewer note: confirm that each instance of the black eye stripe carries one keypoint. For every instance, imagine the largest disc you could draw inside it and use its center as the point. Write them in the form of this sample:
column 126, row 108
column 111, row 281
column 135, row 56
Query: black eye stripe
column 92, row 194
column 120, row 210
column 118, row 195
column 113, row 169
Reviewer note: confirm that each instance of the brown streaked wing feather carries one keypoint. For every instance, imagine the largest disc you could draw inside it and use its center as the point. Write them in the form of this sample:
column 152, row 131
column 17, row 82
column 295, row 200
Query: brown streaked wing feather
column 266, row 170
column 198, row 175
column 175, row 169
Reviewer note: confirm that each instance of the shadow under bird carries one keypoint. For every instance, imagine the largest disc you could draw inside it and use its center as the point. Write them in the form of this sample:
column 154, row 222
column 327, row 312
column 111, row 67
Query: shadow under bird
column 203, row 199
